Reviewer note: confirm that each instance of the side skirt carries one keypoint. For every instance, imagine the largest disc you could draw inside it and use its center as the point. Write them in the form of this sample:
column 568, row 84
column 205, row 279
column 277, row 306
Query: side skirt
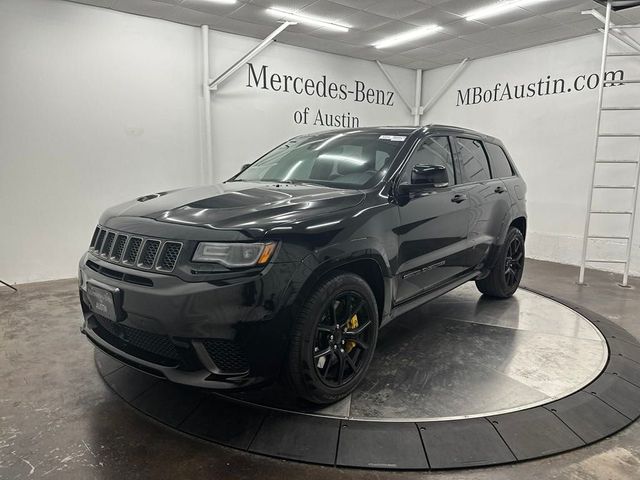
column 415, row 302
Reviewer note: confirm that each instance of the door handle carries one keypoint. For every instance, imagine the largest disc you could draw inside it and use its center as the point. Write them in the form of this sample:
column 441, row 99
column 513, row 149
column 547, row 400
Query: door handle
column 500, row 190
column 458, row 198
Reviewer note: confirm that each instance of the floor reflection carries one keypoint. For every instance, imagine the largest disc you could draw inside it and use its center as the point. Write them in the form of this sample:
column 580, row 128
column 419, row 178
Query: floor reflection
column 466, row 354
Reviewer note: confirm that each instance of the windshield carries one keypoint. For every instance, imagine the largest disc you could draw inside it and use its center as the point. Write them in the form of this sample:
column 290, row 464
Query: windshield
column 344, row 160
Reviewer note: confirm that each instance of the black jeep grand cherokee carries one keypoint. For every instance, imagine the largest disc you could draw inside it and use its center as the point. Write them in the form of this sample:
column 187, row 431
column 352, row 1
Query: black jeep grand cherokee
column 293, row 265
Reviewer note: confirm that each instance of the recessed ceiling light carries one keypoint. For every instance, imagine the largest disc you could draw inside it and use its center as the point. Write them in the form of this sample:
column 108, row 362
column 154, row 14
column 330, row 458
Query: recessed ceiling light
column 228, row 2
column 408, row 36
column 307, row 19
column 498, row 8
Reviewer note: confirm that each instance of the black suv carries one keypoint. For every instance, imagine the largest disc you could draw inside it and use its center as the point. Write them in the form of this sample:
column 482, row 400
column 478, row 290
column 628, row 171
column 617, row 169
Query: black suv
column 292, row 266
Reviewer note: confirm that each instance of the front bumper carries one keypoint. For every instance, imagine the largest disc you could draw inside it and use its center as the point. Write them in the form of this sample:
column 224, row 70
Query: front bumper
column 231, row 334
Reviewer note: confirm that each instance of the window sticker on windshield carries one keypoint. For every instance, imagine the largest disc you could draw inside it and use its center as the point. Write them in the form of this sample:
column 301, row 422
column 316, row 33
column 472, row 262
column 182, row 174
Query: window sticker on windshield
column 393, row 138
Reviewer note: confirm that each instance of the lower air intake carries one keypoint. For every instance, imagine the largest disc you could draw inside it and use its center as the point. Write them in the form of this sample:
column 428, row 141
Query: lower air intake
column 228, row 356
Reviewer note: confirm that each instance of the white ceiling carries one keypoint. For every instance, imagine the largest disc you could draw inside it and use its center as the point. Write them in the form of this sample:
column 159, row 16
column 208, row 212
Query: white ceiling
column 372, row 20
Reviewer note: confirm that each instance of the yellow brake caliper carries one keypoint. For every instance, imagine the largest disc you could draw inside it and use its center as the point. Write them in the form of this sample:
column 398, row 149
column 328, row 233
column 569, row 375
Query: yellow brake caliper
column 352, row 324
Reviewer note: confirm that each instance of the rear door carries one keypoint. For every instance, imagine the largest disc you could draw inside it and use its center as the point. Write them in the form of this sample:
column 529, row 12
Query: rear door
column 488, row 199
column 502, row 168
column 433, row 226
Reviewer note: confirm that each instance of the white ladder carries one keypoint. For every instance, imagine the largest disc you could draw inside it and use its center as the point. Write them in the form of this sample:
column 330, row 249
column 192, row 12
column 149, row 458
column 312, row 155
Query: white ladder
column 631, row 212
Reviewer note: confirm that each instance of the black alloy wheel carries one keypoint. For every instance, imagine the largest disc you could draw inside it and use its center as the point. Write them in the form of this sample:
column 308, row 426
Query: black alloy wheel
column 342, row 338
column 504, row 278
column 333, row 339
column 514, row 262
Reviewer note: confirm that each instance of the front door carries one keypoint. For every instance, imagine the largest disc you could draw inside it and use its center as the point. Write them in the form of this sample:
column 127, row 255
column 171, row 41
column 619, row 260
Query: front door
column 433, row 226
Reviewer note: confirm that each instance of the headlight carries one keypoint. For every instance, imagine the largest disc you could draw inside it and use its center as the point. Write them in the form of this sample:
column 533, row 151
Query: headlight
column 235, row 255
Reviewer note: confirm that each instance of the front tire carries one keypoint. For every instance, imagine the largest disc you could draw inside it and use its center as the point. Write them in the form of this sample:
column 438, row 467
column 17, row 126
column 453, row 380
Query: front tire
column 504, row 278
column 333, row 339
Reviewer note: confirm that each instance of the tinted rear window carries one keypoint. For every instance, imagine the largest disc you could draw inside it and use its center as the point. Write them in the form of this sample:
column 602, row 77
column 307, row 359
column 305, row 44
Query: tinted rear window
column 475, row 165
column 500, row 166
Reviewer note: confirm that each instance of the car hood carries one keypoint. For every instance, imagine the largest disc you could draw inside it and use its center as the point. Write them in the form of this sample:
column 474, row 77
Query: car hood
column 241, row 205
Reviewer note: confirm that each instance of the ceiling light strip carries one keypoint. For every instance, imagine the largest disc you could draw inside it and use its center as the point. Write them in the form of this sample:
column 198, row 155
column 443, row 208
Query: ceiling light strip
column 307, row 19
column 408, row 36
column 498, row 9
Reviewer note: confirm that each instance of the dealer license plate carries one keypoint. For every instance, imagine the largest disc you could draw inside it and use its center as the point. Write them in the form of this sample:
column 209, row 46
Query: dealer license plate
column 102, row 301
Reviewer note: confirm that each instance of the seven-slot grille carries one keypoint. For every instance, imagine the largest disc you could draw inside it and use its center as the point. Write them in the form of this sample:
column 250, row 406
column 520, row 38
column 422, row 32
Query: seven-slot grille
column 135, row 251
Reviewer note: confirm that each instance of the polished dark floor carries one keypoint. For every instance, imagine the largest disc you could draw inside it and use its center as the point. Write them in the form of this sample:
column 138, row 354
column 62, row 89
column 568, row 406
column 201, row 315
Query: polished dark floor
column 607, row 405
column 465, row 355
column 58, row 420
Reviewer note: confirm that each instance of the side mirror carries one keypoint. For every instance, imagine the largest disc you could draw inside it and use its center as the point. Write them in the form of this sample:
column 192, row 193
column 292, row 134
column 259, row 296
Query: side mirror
column 244, row 167
column 430, row 176
column 424, row 177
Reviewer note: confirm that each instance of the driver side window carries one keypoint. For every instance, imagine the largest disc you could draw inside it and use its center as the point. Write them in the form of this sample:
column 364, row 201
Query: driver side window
column 432, row 151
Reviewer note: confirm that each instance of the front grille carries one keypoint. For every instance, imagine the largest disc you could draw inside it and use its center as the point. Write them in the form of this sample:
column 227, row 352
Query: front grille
column 108, row 242
column 96, row 232
column 132, row 250
column 118, row 248
column 228, row 356
column 135, row 251
column 130, row 339
column 98, row 244
column 149, row 252
column 169, row 256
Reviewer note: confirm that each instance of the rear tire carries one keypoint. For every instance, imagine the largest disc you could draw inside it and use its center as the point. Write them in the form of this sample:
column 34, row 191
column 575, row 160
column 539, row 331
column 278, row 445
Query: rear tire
column 333, row 339
column 504, row 278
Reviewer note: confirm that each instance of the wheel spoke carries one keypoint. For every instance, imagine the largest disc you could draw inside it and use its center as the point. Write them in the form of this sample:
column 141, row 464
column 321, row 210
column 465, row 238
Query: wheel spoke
column 350, row 336
column 341, row 366
column 358, row 331
column 332, row 313
column 322, row 353
column 344, row 317
column 351, row 363
column 327, row 367
column 355, row 309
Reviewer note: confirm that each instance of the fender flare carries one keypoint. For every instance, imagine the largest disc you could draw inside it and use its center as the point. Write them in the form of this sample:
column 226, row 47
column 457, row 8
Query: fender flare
column 330, row 258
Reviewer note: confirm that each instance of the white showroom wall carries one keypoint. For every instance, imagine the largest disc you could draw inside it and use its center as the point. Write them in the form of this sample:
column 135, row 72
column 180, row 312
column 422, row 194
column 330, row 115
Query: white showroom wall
column 551, row 138
column 99, row 107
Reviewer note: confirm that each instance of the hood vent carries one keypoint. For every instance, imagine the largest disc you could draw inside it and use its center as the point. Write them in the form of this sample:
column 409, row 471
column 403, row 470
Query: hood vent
column 148, row 197
column 151, row 196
